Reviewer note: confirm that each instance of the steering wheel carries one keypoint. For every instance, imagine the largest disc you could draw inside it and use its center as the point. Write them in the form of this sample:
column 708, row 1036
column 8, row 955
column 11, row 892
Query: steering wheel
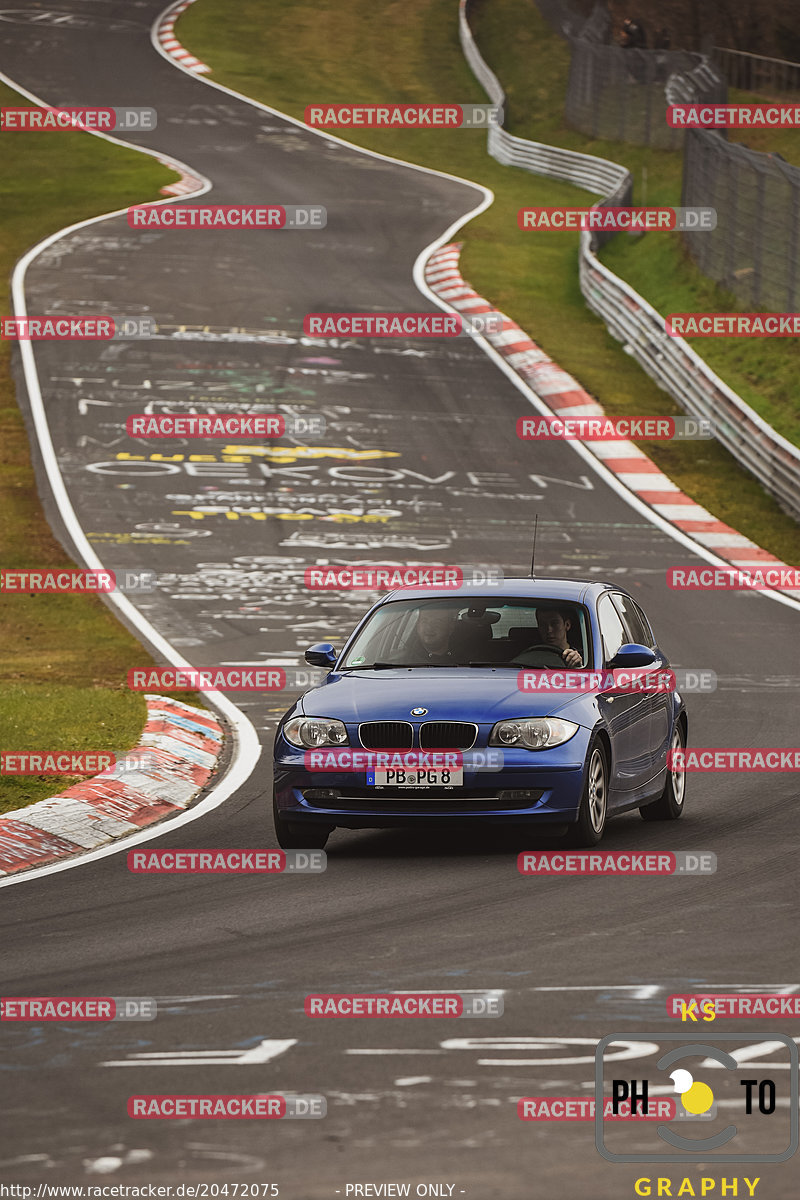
column 549, row 657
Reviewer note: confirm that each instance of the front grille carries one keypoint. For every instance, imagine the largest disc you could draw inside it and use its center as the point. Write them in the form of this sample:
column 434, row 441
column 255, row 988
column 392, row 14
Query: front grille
column 447, row 735
column 386, row 735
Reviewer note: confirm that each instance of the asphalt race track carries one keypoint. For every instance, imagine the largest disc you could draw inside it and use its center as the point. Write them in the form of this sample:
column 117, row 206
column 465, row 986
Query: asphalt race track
column 420, row 455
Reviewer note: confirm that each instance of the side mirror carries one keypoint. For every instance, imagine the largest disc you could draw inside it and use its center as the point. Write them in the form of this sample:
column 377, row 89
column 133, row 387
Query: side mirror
column 321, row 655
column 633, row 655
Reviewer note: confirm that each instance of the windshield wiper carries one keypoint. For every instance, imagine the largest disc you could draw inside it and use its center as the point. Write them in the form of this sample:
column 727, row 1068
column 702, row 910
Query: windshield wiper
column 376, row 666
column 385, row 666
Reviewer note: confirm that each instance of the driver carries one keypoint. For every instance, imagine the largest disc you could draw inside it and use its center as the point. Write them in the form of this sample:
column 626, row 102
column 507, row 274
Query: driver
column 554, row 624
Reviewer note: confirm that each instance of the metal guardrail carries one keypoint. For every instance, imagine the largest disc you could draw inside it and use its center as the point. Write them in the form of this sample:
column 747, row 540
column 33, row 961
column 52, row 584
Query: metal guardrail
column 701, row 83
column 757, row 72
column 674, row 365
column 598, row 175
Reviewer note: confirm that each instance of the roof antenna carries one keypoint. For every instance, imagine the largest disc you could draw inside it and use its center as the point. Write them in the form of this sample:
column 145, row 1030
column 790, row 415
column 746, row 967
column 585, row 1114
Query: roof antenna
column 533, row 552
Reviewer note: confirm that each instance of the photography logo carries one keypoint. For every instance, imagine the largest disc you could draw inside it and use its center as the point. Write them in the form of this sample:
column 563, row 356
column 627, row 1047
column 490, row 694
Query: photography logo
column 762, row 1114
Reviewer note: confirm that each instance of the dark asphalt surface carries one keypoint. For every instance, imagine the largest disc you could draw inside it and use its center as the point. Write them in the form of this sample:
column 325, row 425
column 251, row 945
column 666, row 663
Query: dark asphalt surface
column 419, row 462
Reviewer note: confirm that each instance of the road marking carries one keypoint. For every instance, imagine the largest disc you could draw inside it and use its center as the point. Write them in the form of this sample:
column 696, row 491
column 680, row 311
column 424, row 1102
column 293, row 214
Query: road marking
column 640, row 991
column 647, row 991
column 630, row 1049
column 391, row 1051
column 195, row 999
column 264, row 1052
column 745, row 1055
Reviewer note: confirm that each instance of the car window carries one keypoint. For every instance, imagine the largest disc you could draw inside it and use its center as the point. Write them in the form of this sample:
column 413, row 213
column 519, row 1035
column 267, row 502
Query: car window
column 461, row 630
column 612, row 631
column 651, row 642
column 632, row 620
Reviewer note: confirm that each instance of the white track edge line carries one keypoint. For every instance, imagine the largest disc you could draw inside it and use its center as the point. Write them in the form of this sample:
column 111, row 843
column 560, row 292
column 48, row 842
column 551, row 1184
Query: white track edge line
column 246, row 744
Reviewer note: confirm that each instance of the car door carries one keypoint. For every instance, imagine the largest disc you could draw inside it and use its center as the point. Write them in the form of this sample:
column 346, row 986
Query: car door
column 628, row 716
column 661, row 726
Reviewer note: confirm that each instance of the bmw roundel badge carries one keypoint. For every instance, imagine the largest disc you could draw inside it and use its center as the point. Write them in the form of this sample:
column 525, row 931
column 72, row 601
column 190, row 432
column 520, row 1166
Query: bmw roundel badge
column 418, row 712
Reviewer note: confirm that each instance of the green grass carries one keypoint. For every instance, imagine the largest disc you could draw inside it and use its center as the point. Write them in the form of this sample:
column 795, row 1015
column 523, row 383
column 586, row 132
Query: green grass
column 64, row 659
column 319, row 51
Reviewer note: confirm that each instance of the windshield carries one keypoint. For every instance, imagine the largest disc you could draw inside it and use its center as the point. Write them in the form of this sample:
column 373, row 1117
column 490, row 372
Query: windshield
column 464, row 632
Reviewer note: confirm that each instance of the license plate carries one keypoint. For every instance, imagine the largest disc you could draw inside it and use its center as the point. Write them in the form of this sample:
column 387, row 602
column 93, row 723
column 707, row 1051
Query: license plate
column 441, row 777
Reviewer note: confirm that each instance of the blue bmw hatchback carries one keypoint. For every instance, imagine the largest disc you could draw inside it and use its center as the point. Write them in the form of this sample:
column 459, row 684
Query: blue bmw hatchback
column 441, row 680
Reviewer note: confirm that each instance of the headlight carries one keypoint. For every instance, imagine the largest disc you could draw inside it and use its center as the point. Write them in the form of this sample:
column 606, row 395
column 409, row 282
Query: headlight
column 533, row 733
column 311, row 732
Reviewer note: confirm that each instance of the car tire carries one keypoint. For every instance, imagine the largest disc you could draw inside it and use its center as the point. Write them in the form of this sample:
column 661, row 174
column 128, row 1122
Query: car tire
column 669, row 805
column 593, row 811
column 299, row 835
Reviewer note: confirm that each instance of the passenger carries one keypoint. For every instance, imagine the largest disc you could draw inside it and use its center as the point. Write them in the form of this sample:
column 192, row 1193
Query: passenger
column 430, row 640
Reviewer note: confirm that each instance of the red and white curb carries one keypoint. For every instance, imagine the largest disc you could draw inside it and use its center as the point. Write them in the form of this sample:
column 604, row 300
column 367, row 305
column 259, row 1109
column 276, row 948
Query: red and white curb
column 165, row 32
column 185, row 185
column 566, row 398
column 183, row 745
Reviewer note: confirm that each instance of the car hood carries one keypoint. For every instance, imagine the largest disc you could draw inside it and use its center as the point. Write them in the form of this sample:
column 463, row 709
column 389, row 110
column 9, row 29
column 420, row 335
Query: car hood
column 474, row 694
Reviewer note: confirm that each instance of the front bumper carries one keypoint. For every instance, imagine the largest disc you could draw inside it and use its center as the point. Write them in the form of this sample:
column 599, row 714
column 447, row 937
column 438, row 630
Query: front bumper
column 537, row 786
